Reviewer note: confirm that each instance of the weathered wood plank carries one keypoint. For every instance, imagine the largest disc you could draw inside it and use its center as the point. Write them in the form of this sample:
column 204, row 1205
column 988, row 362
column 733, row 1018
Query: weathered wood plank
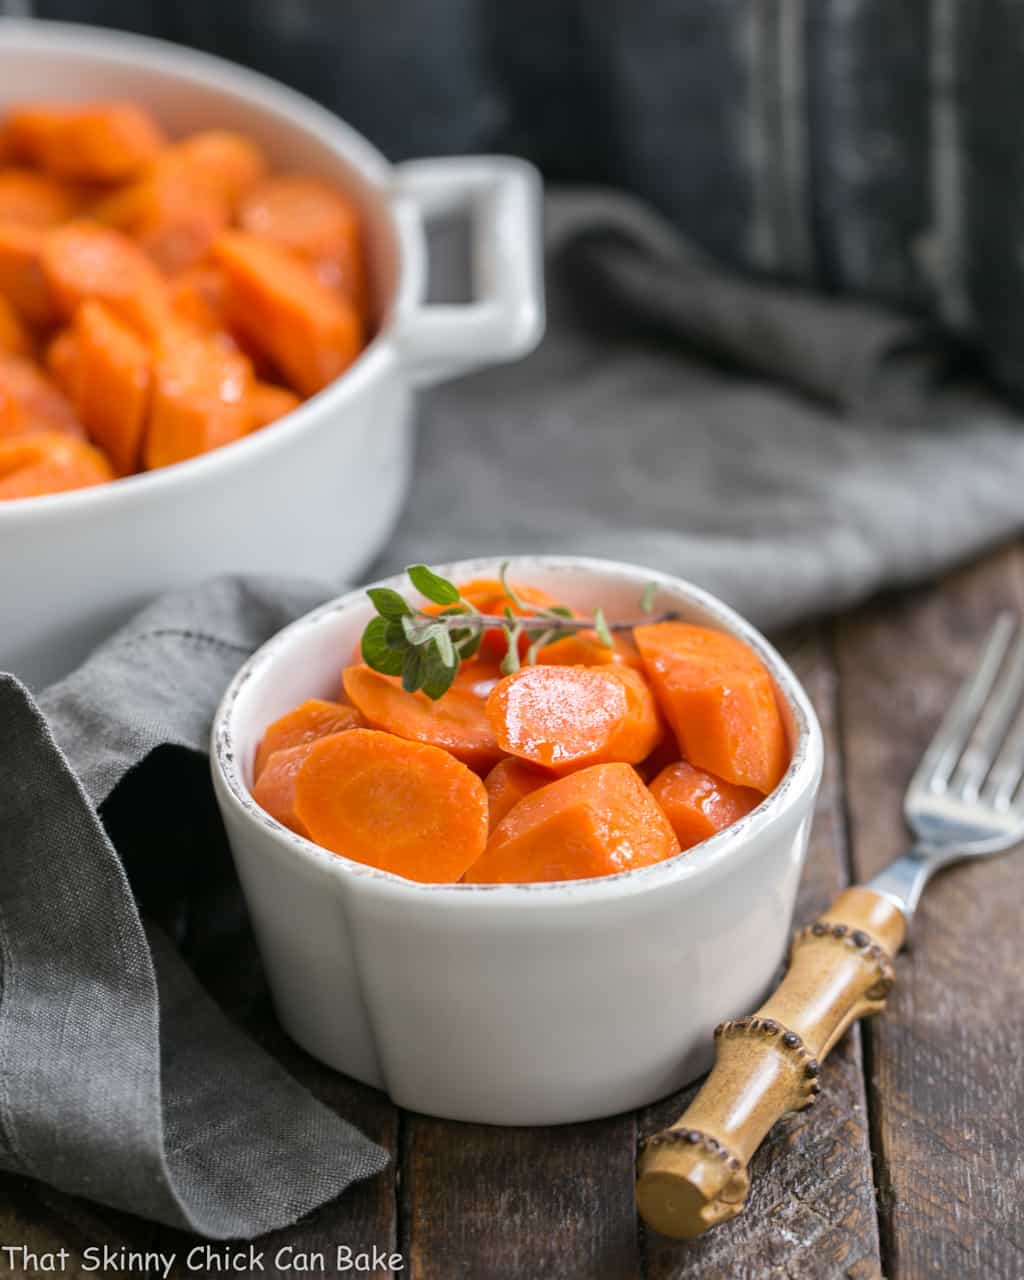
column 812, row 1205
column 946, row 1083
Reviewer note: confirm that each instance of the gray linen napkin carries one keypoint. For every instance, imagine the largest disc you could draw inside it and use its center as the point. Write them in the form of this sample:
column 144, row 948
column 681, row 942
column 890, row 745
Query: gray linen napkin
column 791, row 453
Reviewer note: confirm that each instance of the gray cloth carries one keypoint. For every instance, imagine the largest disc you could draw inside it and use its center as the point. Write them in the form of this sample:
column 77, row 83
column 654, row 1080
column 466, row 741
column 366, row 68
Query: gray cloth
column 788, row 452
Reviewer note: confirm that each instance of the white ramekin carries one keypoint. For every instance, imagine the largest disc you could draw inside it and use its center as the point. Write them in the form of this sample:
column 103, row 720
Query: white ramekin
column 513, row 1004
column 323, row 487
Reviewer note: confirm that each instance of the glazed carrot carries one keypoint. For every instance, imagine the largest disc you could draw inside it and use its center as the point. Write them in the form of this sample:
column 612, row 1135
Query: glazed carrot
column 15, row 339
column 276, row 302
column 312, row 719
column 34, row 200
column 566, row 718
column 585, row 649
column 112, row 379
column 30, row 404
column 274, row 788
column 198, row 298
column 268, row 403
column 315, row 221
column 83, row 261
column 596, row 822
column 401, row 806
column 698, row 804
column 62, row 361
column 488, row 596
column 226, row 163
column 22, row 280
column 99, row 142
column 719, row 699
column 200, row 401
column 457, row 722
column 507, row 783
column 34, row 465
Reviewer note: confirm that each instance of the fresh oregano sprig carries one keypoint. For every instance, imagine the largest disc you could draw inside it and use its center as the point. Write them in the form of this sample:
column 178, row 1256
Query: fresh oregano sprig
column 426, row 649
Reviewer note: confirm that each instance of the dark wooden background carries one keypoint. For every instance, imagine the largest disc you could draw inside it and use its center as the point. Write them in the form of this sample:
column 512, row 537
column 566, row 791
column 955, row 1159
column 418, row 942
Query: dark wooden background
column 912, row 1163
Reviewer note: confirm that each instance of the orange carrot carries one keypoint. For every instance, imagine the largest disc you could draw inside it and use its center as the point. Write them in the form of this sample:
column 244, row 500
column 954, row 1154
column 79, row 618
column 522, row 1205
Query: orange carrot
column 99, row 142
column 275, row 301
column 595, row 822
column 198, row 298
column 401, row 806
column 664, row 753
column 720, row 701
column 274, row 789
column 698, row 804
column 566, row 718
column 218, row 160
column 488, row 596
column 457, row 722
column 312, row 719
column 34, row 200
column 30, row 404
column 34, row 465
column 507, row 783
column 112, row 378
column 15, row 339
column 62, row 361
column 269, row 403
column 200, row 401
column 585, row 649
column 22, row 280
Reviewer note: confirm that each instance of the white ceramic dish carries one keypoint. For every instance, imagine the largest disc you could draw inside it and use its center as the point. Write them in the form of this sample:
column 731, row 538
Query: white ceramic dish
column 323, row 487
column 512, row 1004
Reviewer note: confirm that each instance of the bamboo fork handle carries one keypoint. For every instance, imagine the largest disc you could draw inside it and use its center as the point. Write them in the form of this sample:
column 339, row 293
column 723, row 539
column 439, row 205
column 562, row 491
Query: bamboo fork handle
column 694, row 1174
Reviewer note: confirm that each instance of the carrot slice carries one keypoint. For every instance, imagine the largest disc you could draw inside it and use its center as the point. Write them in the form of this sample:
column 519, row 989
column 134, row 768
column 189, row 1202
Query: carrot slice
column 401, row 806
column 15, row 339
column 100, row 142
column 312, row 719
column 698, row 804
column 274, row 788
column 22, row 279
column 566, row 718
column 112, row 378
column 596, row 822
column 457, row 722
column 315, row 221
column 200, row 401
column 220, row 161
column 276, row 302
column 34, row 465
column 62, row 361
column 198, row 298
column 586, row 650
column 268, row 403
column 507, row 783
column 30, row 404
column 720, row 701
column 34, row 200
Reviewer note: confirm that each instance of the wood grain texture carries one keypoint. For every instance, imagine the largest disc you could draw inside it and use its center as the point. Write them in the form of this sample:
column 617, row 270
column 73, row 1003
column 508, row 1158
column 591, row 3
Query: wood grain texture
column 811, row 1211
column 945, row 1067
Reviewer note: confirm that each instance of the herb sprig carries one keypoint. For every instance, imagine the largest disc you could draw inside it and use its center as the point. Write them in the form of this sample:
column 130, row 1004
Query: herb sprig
column 426, row 649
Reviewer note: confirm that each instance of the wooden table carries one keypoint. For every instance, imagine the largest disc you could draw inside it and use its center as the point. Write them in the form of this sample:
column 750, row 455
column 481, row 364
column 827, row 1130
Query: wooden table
column 911, row 1164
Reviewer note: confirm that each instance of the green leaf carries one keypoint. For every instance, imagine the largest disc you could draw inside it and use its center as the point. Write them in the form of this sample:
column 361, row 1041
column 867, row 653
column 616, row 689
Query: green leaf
column 432, row 585
column 647, row 599
column 379, row 648
column 446, row 650
column 412, row 669
column 389, row 604
column 436, row 675
column 556, row 611
column 601, row 627
column 468, row 642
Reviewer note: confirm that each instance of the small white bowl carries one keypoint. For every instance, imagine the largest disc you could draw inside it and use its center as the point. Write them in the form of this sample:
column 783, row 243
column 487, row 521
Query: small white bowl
column 513, row 1004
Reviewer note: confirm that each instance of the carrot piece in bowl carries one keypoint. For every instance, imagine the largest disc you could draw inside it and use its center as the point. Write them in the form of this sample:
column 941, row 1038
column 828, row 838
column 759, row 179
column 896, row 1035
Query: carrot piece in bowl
column 720, row 701
column 274, row 788
column 15, row 339
column 98, row 142
column 488, row 596
column 585, row 649
column 33, row 200
column 270, row 402
column 312, row 719
column 23, row 281
column 595, row 822
column 30, row 404
column 698, row 804
column 112, row 377
column 567, row 718
column 31, row 466
column 508, row 782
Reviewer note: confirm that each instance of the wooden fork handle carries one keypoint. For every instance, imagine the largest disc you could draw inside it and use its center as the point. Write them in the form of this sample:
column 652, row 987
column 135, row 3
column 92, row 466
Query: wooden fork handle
column 694, row 1174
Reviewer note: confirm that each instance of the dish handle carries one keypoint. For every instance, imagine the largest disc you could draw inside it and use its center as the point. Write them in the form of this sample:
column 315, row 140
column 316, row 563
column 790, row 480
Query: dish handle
column 502, row 197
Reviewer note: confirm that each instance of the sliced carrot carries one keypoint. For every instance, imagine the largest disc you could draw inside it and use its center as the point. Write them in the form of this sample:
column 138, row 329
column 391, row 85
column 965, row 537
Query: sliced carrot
column 62, row 361
column 34, row 200
column 84, row 261
column 112, row 380
column 22, row 279
column 15, row 339
column 596, row 822
column 720, row 701
column 99, row 142
column 401, row 806
column 274, row 789
column 269, row 403
column 585, row 649
column 565, row 718
column 198, row 298
column 218, row 160
column 315, row 221
column 30, row 404
column 312, row 719
column 34, row 465
column 275, row 302
column 457, row 722
column 200, row 401
column 507, row 783
column 698, row 804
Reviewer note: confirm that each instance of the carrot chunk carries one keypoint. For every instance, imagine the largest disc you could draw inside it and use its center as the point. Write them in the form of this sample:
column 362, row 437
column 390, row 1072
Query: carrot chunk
column 312, row 719
column 586, row 650
column 100, row 142
column 507, row 783
column 34, row 200
column 198, row 298
column 401, row 806
column 276, row 303
column 456, row 723
column 34, row 465
column 274, row 789
column 62, row 361
column 200, row 401
column 269, row 403
column 719, row 699
column 488, row 596
column 15, row 339
column 595, row 822
column 219, row 160
column 566, row 718
column 30, row 404
column 698, row 804
column 112, row 377
column 22, row 279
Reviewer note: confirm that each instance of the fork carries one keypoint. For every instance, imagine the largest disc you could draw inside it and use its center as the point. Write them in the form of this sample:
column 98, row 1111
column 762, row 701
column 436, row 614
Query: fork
column 965, row 800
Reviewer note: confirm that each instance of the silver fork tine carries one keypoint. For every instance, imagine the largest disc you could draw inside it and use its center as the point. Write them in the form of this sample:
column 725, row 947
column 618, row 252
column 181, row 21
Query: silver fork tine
column 997, row 716
column 1008, row 770
column 944, row 750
